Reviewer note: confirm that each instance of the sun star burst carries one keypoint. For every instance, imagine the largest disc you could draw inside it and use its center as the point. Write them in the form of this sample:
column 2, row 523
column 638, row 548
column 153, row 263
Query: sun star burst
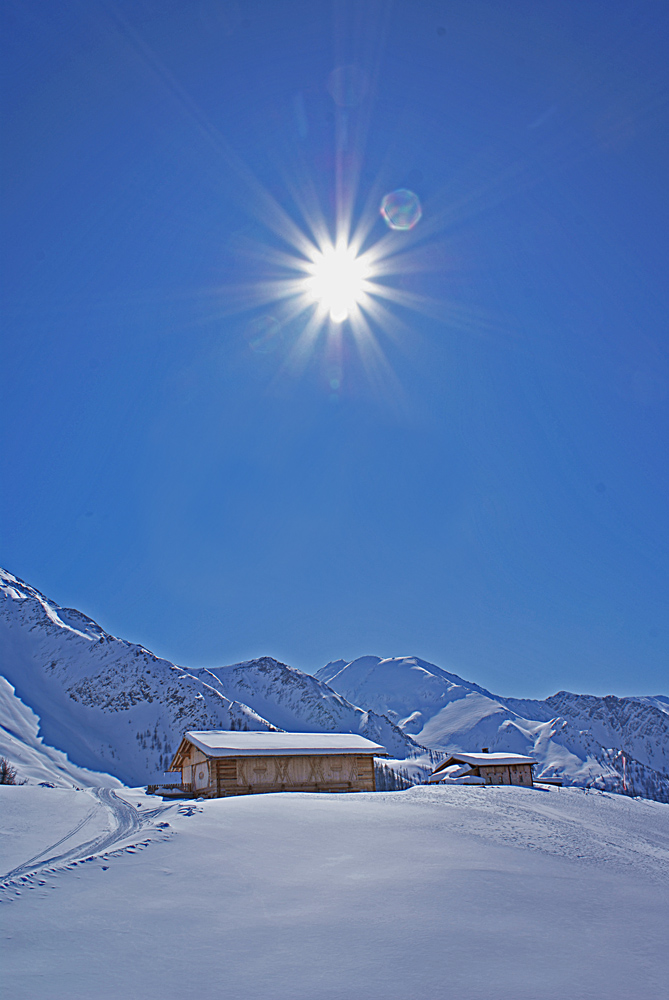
column 337, row 281
column 332, row 289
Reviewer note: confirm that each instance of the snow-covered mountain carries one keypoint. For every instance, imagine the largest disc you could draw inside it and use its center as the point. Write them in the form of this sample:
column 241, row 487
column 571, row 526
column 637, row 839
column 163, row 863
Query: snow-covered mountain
column 658, row 701
column 299, row 702
column 607, row 742
column 115, row 707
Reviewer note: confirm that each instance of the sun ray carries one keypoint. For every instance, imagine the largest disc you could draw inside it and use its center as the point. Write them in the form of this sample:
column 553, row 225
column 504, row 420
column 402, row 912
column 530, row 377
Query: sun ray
column 302, row 350
column 330, row 275
column 378, row 369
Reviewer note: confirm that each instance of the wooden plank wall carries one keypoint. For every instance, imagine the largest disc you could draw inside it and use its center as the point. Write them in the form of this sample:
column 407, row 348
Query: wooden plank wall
column 303, row 772
column 499, row 774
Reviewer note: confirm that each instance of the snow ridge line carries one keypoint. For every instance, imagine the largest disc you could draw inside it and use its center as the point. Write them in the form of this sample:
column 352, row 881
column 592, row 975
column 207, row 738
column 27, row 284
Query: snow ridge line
column 49, row 610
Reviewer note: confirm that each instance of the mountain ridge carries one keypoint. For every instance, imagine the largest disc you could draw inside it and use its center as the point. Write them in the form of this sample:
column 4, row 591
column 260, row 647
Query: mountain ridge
column 581, row 739
column 113, row 706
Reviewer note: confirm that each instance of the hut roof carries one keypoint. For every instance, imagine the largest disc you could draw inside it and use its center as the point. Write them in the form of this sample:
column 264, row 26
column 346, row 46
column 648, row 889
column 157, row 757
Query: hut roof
column 484, row 759
column 221, row 743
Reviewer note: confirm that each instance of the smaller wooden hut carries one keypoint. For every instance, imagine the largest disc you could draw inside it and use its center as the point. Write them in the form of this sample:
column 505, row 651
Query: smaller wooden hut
column 220, row 763
column 484, row 769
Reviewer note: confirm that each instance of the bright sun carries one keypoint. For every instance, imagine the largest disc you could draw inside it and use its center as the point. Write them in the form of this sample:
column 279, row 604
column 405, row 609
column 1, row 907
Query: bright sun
column 337, row 281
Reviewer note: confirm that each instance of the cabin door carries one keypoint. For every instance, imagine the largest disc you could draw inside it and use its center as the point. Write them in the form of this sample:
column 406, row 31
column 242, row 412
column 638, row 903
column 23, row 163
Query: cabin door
column 201, row 772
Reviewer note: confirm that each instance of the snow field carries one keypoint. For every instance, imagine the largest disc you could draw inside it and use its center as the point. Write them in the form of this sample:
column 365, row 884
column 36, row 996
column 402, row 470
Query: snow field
column 433, row 892
column 73, row 817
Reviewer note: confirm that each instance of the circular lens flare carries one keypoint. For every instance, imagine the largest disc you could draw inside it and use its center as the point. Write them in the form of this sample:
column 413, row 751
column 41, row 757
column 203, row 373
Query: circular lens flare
column 337, row 281
column 401, row 209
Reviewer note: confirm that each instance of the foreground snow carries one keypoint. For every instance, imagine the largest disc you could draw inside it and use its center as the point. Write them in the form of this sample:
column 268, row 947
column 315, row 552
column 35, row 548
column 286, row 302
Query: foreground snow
column 432, row 892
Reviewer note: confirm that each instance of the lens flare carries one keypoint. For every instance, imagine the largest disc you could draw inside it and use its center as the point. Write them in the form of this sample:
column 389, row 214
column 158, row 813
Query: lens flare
column 338, row 281
column 401, row 209
column 332, row 287
column 263, row 334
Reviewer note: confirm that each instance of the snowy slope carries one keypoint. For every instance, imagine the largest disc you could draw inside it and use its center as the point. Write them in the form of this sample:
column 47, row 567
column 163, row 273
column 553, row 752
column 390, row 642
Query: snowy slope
column 32, row 759
column 298, row 702
column 658, row 701
column 579, row 738
column 457, row 892
column 110, row 705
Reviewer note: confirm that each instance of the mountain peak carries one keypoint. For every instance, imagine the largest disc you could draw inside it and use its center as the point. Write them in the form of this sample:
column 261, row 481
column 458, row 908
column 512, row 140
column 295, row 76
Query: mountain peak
column 114, row 706
column 582, row 738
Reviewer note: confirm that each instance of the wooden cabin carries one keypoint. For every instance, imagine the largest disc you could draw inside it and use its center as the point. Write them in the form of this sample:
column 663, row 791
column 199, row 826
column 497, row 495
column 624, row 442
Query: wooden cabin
column 220, row 763
column 484, row 769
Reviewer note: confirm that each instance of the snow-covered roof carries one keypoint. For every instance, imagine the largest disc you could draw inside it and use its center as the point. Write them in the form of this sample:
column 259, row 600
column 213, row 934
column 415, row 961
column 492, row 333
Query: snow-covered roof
column 467, row 779
column 221, row 743
column 485, row 759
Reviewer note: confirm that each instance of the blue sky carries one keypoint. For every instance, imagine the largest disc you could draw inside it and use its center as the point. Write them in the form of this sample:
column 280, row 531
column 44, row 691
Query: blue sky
column 487, row 488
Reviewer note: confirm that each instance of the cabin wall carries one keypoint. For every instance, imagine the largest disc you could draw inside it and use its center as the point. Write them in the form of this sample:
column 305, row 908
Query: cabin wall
column 501, row 774
column 521, row 774
column 297, row 773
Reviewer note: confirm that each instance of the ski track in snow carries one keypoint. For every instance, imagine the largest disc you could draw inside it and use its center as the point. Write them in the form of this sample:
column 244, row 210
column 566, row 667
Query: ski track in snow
column 126, row 821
